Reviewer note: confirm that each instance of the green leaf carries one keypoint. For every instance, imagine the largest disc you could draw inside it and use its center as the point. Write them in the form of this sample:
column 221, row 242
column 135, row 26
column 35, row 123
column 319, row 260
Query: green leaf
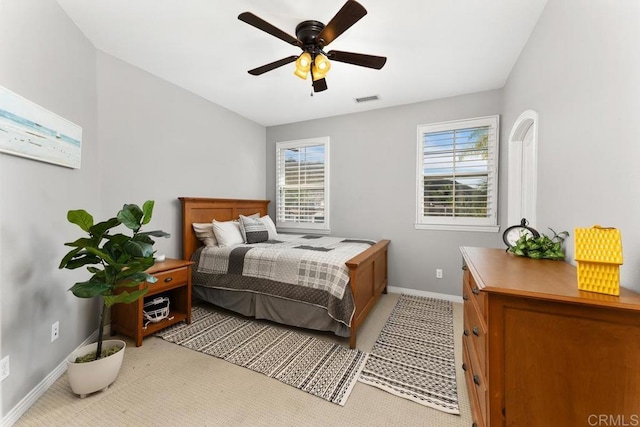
column 90, row 289
column 124, row 297
column 100, row 228
column 82, row 242
column 118, row 239
column 131, row 216
column 143, row 237
column 101, row 254
column 134, row 271
column 82, row 261
column 535, row 254
column 81, row 218
column 155, row 233
column 147, row 209
column 68, row 257
column 138, row 249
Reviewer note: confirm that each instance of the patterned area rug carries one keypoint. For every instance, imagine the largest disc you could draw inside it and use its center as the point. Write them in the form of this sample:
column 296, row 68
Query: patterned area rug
column 321, row 368
column 414, row 356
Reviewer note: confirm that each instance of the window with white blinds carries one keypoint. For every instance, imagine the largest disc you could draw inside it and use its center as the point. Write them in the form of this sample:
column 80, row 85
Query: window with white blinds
column 457, row 184
column 302, row 197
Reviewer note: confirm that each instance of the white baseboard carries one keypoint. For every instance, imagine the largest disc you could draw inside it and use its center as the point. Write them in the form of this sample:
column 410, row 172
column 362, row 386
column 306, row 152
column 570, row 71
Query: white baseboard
column 446, row 297
column 17, row 411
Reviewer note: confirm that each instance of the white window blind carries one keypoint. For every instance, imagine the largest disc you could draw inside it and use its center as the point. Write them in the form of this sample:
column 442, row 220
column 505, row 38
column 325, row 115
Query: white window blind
column 457, row 174
column 302, row 188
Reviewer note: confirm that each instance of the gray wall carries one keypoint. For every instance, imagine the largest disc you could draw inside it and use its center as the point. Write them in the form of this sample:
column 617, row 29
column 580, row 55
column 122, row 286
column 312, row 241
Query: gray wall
column 161, row 142
column 373, row 185
column 581, row 71
column 143, row 138
column 46, row 59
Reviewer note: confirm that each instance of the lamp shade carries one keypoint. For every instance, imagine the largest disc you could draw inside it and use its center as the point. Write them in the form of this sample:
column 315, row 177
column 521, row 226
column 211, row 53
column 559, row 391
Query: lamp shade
column 303, row 64
column 321, row 67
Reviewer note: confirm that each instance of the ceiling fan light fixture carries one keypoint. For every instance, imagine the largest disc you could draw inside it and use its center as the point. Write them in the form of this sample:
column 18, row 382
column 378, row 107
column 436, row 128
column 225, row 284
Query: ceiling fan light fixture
column 321, row 67
column 303, row 64
column 312, row 37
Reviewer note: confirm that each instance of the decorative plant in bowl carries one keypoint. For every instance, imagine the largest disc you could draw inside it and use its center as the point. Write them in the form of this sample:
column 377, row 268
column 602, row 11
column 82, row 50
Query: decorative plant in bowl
column 117, row 263
column 543, row 247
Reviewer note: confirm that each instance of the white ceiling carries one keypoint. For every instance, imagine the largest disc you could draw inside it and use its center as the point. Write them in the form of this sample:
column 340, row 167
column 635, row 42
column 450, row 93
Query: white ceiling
column 435, row 49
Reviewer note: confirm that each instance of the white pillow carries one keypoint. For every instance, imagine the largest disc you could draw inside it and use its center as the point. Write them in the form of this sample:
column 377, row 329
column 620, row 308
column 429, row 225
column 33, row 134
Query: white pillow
column 204, row 232
column 271, row 227
column 227, row 233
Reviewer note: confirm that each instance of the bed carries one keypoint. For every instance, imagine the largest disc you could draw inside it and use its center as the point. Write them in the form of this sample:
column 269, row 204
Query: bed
column 366, row 275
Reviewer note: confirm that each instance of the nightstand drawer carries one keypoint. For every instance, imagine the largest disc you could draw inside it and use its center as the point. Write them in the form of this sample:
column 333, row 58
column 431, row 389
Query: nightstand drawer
column 168, row 280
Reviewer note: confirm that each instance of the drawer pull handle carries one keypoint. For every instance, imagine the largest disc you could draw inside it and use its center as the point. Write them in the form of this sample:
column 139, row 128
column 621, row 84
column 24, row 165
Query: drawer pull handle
column 464, row 367
column 475, row 424
column 466, row 333
column 464, row 268
column 476, row 331
column 475, row 290
column 465, row 297
column 476, row 380
column 168, row 279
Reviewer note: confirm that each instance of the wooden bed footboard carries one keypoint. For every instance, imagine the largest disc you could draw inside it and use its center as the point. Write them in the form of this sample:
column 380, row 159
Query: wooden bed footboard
column 368, row 279
column 367, row 270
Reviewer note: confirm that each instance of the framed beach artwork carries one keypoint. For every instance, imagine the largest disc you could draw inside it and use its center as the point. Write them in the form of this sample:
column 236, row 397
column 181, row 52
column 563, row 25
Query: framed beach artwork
column 28, row 130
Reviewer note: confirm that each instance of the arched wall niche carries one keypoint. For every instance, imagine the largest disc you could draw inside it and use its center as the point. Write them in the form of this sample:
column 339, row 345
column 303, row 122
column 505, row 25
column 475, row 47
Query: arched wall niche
column 523, row 169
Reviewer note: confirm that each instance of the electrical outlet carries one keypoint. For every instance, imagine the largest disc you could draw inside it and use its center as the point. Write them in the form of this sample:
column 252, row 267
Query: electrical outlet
column 438, row 273
column 55, row 331
column 4, row 368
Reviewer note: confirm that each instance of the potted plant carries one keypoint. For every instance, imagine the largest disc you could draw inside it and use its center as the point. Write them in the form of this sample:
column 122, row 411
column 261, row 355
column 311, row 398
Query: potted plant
column 541, row 247
column 117, row 263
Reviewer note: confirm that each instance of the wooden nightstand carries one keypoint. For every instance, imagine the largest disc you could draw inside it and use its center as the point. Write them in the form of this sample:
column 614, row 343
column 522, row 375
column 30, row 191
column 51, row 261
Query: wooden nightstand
column 174, row 281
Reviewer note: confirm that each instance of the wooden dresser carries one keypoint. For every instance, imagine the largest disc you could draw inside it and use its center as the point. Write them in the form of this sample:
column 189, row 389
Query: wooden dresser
column 539, row 352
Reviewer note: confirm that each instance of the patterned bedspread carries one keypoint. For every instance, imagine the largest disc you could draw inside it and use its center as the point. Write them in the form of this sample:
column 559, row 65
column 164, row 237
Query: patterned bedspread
column 303, row 268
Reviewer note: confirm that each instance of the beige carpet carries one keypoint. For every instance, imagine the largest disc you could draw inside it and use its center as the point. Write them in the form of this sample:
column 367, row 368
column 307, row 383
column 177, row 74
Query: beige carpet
column 162, row 384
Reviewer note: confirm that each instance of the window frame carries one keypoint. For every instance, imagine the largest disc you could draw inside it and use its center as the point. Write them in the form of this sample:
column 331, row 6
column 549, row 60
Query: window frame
column 298, row 227
column 489, row 224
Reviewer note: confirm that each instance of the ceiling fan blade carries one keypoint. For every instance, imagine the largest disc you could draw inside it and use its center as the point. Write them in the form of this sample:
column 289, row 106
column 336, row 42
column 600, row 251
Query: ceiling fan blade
column 319, row 85
column 369, row 61
column 273, row 65
column 351, row 12
column 263, row 25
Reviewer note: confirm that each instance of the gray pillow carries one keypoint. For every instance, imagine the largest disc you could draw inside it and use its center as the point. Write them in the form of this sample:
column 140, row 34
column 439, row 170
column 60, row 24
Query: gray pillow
column 255, row 231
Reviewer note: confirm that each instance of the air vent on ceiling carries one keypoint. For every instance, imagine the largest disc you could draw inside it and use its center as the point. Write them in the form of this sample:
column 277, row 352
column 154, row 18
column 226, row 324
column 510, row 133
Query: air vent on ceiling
column 367, row 98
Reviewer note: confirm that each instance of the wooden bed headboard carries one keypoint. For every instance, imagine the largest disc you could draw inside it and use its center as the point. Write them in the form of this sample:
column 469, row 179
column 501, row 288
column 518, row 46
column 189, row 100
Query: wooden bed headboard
column 197, row 209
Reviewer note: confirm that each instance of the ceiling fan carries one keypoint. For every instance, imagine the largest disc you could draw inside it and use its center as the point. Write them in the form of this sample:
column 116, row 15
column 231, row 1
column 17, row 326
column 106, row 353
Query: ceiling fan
column 312, row 37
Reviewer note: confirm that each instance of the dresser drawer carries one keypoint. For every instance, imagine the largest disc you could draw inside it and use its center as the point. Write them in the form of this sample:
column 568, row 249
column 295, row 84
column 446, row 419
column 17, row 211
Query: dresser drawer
column 476, row 387
column 169, row 280
column 472, row 291
column 476, row 332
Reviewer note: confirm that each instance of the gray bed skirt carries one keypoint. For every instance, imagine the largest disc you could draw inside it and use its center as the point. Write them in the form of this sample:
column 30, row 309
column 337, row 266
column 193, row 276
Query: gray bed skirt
column 288, row 312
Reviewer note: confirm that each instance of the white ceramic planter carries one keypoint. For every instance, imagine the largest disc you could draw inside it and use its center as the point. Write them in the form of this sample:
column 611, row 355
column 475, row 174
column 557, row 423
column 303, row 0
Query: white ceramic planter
column 88, row 377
